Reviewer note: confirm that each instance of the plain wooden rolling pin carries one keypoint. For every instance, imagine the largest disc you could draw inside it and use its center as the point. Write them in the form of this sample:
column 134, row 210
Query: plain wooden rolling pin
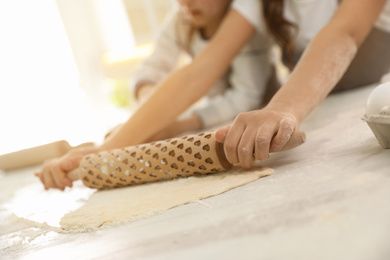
column 36, row 155
column 162, row 160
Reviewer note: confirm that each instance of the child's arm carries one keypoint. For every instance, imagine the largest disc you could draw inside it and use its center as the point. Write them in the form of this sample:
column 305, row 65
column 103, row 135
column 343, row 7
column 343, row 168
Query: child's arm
column 321, row 67
column 168, row 100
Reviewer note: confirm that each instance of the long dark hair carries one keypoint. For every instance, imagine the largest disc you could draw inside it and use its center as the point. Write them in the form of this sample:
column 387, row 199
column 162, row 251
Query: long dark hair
column 282, row 30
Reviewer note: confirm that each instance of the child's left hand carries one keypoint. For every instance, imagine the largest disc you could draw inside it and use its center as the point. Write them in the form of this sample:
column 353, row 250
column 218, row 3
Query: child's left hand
column 54, row 171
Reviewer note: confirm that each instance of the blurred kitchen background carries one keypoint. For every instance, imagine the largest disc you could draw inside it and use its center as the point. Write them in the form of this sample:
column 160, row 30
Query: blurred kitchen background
column 65, row 66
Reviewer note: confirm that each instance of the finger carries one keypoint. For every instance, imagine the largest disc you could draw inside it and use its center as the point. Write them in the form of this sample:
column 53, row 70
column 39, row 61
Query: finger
column 263, row 140
column 63, row 175
column 232, row 140
column 220, row 135
column 246, row 148
column 40, row 176
column 47, row 179
column 67, row 164
column 286, row 128
column 59, row 177
column 71, row 162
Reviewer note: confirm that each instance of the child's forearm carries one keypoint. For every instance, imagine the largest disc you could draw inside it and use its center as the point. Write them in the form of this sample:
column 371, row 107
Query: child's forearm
column 185, row 86
column 143, row 91
column 166, row 102
column 156, row 112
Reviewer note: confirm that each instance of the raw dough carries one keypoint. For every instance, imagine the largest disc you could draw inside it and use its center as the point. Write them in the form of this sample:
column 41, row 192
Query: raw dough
column 123, row 205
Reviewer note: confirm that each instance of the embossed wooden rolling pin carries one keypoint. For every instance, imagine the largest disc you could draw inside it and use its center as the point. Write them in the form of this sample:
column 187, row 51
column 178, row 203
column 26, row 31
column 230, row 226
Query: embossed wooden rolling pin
column 162, row 160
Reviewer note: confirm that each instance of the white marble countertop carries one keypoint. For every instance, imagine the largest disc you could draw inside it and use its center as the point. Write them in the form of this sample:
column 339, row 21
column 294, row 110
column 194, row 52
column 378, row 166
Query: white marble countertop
column 328, row 199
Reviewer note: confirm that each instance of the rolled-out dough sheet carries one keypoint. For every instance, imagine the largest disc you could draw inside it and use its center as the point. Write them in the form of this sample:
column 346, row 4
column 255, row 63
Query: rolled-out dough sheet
column 118, row 206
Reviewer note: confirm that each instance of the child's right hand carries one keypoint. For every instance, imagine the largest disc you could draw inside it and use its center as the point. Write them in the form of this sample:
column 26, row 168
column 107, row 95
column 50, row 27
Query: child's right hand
column 54, row 172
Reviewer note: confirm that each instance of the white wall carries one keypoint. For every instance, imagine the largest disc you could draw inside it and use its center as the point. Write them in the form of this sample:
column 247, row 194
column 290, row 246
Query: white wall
column 48, row 49
column 146, row 16
column 40, row 98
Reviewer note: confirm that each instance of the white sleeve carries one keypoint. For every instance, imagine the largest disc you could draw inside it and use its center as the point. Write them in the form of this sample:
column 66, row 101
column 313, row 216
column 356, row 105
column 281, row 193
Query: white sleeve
column 252, row 11
column 163, row 58
column 250, row 72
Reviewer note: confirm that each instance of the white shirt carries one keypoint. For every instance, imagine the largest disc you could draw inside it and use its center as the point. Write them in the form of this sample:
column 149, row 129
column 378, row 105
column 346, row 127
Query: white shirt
column 309, row 15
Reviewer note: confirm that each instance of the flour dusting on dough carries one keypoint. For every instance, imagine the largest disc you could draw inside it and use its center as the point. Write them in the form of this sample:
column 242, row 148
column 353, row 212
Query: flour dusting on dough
column 118, row 206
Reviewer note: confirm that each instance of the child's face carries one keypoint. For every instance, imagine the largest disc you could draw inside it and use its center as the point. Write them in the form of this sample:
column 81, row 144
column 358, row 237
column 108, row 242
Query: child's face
column 203, row 12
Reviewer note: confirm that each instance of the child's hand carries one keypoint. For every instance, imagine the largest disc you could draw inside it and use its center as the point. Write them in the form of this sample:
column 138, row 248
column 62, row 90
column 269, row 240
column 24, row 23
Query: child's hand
column 54, row 172
column 254, row 134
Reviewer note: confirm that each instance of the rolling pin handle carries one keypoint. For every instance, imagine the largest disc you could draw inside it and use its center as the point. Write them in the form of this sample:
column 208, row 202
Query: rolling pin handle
column 296, row 139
